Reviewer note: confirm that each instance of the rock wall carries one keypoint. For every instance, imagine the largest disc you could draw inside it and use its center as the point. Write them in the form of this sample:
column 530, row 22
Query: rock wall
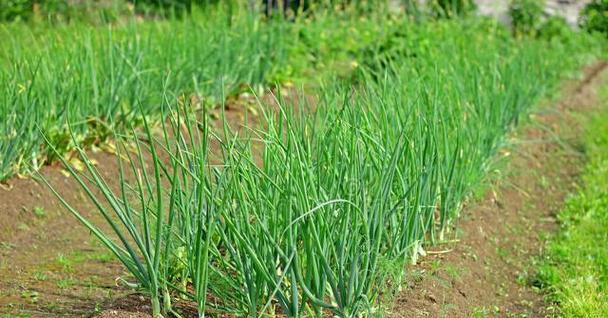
column 569, row 9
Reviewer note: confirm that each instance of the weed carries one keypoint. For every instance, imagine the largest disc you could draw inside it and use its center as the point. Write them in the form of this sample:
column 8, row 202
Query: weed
column 39, row 212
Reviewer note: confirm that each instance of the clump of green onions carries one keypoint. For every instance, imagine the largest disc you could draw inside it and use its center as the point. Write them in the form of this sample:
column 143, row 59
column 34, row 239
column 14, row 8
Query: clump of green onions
column 299, row 216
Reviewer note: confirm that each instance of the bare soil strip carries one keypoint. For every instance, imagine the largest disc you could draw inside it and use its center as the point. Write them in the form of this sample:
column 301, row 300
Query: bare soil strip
column 488, row 270
column 50, row 266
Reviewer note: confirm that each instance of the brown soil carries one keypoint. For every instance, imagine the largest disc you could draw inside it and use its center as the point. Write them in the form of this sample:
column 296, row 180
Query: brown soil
column 50, row 266
column 489, row 270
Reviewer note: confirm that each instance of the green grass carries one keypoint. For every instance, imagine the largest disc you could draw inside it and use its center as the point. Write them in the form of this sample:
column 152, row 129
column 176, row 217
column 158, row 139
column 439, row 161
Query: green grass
column 575, row 270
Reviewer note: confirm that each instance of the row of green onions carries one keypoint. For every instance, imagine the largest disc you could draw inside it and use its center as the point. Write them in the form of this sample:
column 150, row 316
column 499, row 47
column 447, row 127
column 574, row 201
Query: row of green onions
column 306, row 214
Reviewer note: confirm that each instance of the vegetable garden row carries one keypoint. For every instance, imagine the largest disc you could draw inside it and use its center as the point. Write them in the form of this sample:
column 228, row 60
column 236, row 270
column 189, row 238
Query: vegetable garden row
column 319, row 208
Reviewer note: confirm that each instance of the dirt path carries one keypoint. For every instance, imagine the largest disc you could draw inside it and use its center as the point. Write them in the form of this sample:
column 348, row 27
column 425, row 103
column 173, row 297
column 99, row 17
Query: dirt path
column 489, row 270
column 50, row 266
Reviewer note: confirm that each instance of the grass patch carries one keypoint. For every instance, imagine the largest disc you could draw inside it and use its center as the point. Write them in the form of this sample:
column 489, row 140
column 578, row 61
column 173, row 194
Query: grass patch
column 575, row 270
